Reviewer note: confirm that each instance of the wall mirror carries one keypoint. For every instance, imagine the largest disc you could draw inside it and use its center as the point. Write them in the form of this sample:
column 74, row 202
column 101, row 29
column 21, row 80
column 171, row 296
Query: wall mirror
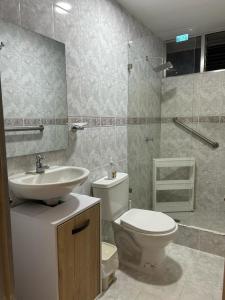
column 34, row 94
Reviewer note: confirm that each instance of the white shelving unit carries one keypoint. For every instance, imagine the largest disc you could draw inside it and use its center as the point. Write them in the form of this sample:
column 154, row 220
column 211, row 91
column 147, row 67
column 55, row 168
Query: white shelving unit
column 174, row 185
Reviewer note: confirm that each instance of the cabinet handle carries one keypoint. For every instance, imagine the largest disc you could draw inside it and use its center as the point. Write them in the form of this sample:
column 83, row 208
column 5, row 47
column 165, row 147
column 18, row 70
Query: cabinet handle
column 81, row 228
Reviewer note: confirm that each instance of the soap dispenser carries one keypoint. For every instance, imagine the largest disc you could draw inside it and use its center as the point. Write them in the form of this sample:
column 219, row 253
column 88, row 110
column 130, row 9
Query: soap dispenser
column 112, row 170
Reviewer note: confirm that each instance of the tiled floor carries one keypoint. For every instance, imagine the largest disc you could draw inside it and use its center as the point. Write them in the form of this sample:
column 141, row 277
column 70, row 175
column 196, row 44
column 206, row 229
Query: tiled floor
column 186, row 275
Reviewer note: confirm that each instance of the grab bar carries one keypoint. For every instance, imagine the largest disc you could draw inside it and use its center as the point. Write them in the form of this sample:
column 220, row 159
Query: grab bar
column 25, row 128
column 210, row 142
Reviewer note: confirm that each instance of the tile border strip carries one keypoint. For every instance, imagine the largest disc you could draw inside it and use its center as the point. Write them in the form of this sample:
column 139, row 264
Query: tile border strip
column 10, row 122
column 105, row 121
column 112, row 121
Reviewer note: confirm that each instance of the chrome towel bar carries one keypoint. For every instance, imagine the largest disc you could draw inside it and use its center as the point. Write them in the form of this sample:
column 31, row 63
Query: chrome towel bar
column 210, row 142
column 25, row 128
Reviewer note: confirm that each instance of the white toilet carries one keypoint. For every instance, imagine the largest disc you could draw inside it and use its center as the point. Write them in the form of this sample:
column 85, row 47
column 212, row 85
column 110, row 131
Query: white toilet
column 146, row 232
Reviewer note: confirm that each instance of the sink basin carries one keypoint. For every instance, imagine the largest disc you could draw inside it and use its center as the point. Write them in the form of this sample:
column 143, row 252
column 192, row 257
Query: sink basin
column 50, row 186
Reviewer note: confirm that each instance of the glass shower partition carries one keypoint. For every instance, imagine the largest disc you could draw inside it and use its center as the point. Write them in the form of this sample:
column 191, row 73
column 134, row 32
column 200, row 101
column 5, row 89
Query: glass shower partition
column 143, row 118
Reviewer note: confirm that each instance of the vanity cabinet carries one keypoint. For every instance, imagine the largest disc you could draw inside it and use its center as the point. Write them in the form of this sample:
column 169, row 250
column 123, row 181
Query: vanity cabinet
column 57, row 250
column 78, row 256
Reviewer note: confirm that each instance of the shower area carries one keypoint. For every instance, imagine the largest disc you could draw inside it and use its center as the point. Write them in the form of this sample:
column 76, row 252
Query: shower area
column 161, row 149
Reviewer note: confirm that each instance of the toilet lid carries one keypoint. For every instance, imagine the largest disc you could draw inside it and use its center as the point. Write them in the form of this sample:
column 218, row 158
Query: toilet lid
column 148, row 221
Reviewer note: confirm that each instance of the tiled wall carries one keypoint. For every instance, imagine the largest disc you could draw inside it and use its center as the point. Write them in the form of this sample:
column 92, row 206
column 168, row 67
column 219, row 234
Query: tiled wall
column 200, row 100
column 96, row 34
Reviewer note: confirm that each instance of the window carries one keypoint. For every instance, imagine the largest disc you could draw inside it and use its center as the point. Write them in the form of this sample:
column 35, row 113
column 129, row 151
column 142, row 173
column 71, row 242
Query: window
column 184, row 56
column 215, row 51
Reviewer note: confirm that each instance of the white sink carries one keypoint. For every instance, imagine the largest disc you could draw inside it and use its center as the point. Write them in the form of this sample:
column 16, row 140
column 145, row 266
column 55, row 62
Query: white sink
column 50, row 186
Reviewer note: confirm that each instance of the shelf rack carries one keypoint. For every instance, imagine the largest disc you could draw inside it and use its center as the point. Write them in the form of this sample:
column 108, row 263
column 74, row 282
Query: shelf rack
column 174, row 185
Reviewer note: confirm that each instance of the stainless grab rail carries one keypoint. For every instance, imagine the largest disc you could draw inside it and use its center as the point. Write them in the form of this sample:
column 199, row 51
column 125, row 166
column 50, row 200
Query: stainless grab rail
column 25, row 128
column 210, row 142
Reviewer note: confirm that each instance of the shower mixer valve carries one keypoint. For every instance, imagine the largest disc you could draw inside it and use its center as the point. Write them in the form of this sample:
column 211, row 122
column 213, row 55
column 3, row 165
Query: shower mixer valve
column 2, row 45
column 148, row 139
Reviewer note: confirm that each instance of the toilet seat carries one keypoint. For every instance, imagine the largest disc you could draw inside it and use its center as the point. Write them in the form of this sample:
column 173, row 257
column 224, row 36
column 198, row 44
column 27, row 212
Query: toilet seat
column 148, row 221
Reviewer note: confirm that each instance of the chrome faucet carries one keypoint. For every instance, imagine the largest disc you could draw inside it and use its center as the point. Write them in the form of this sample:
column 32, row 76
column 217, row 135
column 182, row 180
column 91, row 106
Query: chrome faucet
column 40, row 169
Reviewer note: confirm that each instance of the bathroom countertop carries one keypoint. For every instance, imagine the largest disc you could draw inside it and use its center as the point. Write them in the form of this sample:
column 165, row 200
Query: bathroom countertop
column 72, row 205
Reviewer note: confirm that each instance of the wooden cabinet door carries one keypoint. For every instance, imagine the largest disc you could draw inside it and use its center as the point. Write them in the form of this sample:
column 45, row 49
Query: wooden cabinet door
column 79, row 256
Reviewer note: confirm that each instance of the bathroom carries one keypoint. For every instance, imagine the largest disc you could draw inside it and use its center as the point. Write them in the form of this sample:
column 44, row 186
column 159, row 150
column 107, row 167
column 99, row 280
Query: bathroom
column 114, row 109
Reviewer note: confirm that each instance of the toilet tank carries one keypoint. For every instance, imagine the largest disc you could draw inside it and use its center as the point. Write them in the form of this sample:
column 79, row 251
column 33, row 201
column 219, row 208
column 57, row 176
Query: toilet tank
column 114, row 194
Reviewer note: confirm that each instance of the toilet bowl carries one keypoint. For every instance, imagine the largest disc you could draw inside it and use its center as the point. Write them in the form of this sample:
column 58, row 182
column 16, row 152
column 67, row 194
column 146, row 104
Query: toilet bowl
column 141, row 235
column 152, row 231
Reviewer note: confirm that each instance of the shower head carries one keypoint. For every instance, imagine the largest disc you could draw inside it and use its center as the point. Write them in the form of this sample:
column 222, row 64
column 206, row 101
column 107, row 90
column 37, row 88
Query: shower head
column 166, row 66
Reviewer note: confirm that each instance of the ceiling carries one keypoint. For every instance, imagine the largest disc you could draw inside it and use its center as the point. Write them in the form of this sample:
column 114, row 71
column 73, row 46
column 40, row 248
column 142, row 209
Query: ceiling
column 168, row 18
